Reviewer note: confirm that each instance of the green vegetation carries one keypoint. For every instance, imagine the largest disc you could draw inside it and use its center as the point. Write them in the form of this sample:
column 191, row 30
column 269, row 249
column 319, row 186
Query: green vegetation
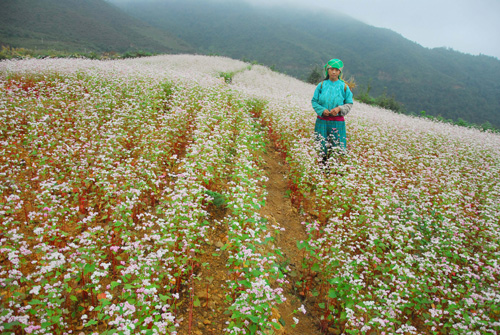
column 390, row 103
column 382, row 100
column 228, row 76
column 80, row 26
column 486, row 126
column 315, row 76
column 21, row 53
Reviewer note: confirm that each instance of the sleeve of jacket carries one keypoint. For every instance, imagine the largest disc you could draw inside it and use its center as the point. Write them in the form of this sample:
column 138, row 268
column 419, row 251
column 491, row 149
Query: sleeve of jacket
column 348, row 102
column 319, row 109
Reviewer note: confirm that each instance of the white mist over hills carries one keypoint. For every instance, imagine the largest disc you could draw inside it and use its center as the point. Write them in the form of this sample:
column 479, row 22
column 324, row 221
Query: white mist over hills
column 466, row 26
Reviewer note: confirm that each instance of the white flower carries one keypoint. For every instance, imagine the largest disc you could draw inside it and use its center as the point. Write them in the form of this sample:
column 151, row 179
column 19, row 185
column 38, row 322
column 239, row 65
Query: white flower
column 302, row 309
column 35, row 290
column 38, row 230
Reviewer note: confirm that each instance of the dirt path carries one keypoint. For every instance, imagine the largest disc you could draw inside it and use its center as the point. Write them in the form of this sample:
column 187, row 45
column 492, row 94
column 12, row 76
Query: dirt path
column 207, row 317
column 279, row 208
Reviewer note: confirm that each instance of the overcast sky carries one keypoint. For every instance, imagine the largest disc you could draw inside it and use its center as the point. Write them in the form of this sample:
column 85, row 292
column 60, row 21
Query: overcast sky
column 469, row 26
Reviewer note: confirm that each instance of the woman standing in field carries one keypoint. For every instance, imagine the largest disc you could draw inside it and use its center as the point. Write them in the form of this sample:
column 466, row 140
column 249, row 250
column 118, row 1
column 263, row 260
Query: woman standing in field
column 332, row 100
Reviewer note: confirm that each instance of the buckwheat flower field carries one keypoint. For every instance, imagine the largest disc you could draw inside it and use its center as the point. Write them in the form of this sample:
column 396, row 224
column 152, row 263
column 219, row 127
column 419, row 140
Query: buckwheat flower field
column 116, row 175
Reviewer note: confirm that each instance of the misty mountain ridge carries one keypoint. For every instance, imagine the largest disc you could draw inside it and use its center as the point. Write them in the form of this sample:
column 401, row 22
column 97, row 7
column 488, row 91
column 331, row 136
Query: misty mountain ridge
column 440, row 81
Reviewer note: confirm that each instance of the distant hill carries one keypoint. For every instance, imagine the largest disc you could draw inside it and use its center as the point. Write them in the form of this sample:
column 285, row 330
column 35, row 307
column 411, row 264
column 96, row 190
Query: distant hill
column 440, row 81
column 76, row 25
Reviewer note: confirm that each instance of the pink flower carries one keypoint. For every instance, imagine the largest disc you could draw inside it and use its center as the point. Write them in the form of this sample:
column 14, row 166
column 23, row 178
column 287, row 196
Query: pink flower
column 30, row 329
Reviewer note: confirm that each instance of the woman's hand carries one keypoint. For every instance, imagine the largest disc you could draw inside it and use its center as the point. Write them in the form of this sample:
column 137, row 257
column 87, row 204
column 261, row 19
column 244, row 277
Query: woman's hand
column 335, row 111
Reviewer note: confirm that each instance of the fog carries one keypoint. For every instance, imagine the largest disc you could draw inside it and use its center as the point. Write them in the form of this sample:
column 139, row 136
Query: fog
column 467, row 26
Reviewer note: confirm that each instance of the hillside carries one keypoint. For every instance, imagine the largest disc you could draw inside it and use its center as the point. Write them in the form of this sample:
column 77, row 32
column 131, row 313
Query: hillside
column 84, row 26
column 440, row 81
column 149, row 196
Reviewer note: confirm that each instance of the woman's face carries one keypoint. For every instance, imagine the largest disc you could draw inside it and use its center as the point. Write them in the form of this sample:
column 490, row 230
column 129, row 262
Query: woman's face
column 333, row 73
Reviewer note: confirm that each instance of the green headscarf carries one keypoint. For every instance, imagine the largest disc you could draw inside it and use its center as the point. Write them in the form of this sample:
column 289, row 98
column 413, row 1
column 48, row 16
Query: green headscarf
column 334, row 63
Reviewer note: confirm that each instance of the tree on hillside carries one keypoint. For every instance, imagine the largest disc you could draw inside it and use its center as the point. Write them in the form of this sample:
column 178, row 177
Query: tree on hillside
column 315, row 76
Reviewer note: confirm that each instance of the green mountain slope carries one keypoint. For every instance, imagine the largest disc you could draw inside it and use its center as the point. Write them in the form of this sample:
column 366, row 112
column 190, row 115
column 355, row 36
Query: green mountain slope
column 440, row 81
column 75, row 25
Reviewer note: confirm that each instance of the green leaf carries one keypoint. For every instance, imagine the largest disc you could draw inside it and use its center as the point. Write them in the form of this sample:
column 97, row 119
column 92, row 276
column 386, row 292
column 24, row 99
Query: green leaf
column 275, row 325
column 245, row 283
column 252, row 328
column 74, row 298
column 335, row 264
column 254, row 318
column 89, row 268
column 332, row 293
column 196, row 302
column 10, row 325
column 301, row 245
column 91, row 323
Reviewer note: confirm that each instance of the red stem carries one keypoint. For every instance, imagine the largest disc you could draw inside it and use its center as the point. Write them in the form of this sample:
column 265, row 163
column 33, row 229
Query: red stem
column 191, row 303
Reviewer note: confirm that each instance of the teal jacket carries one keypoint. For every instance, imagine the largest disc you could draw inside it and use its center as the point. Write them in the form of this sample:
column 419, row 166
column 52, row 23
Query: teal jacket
column 330, row 94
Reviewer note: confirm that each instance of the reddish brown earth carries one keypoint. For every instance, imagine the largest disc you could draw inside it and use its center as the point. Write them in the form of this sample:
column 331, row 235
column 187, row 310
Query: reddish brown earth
column 279, row 208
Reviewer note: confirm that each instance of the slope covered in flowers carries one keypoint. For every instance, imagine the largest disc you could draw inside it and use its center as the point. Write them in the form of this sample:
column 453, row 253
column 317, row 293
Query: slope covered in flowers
column 111, row 174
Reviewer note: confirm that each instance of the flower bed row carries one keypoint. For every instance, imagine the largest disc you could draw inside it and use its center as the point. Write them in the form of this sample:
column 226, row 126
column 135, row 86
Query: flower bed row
column 256, row 279
column 227, row 145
